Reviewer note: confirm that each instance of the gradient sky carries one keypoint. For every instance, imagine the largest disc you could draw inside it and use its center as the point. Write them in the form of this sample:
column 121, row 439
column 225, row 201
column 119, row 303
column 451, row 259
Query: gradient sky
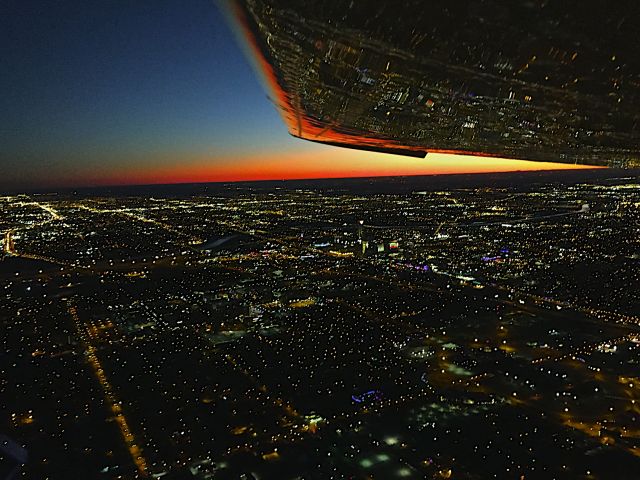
column 129, row 92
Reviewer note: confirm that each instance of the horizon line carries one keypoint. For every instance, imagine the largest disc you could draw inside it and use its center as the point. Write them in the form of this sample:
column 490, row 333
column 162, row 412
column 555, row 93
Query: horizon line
column 589, row 168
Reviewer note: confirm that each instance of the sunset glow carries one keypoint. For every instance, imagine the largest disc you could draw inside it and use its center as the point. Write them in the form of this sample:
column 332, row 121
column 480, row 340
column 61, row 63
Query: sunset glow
column 325, row 162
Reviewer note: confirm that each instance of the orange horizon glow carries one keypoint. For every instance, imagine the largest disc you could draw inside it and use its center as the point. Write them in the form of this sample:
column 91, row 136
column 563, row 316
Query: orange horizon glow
column 326, row 162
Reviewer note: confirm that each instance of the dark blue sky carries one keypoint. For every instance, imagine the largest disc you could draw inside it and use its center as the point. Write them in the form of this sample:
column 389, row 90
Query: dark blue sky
column 98, row 85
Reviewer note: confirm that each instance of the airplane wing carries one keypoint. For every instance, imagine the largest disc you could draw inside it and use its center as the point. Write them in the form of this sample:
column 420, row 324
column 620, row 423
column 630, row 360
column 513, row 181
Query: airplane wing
column 526, row 79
